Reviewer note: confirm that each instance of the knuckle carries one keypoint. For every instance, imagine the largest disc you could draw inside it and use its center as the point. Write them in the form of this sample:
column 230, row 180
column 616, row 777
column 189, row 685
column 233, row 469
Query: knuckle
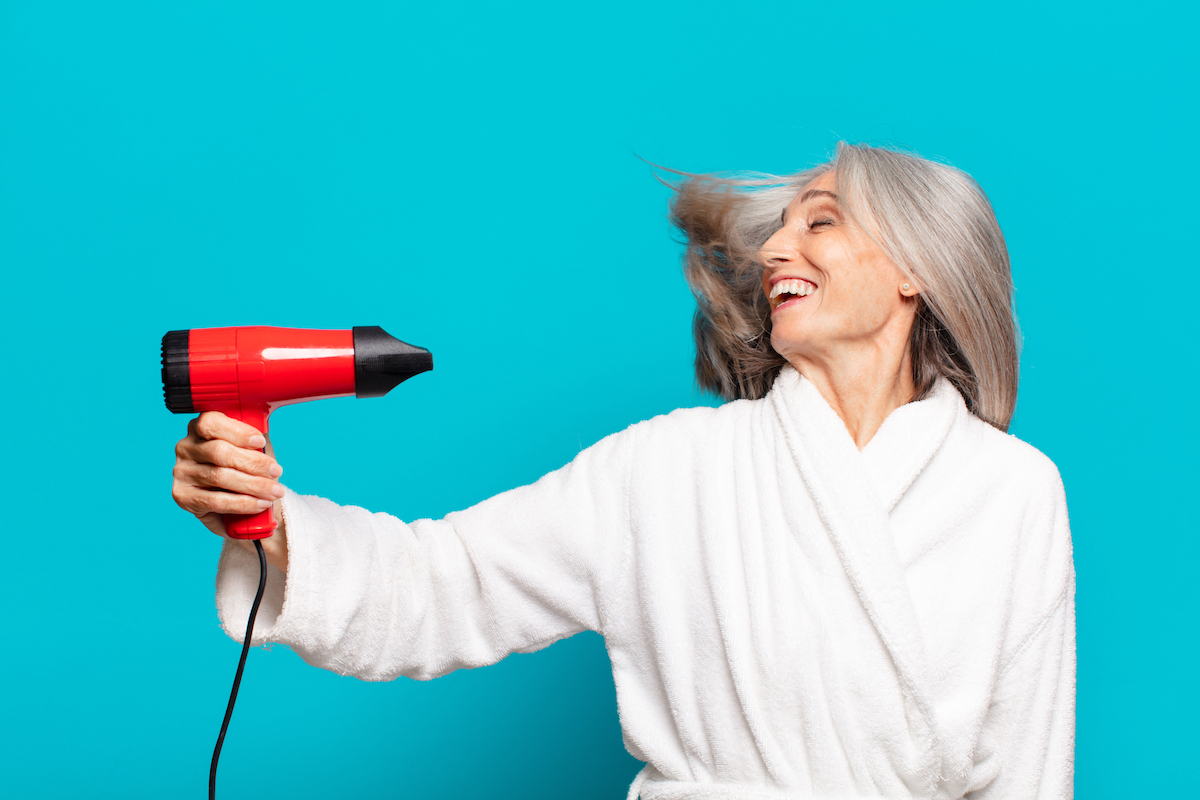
column 248, row 505
column 244, row 463
column 203, row 425
column 249, row 462
column 221, row 452
column 207, row 473
column 208, row 424
column 184, row 499
column 240, row 459
column 219, row 476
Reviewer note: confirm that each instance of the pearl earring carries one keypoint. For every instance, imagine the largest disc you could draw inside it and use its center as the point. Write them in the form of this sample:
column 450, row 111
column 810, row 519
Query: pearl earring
column 905, row 287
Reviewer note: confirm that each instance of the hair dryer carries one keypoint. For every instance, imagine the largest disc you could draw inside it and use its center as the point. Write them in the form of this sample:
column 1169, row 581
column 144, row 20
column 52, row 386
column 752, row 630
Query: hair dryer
column 248, row 372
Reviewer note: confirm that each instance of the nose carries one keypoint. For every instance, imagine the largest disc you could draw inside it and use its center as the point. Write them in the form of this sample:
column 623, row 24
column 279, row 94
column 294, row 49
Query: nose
column 778, row 251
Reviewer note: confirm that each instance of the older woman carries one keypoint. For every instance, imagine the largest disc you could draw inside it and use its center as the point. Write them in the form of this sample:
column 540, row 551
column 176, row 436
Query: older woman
column 850, row 582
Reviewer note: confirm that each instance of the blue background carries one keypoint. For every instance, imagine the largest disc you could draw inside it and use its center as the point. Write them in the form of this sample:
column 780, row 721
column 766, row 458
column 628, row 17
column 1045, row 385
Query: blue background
column 466, row 178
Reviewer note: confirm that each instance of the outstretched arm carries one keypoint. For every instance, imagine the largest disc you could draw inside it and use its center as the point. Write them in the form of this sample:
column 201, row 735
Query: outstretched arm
column 368, row 595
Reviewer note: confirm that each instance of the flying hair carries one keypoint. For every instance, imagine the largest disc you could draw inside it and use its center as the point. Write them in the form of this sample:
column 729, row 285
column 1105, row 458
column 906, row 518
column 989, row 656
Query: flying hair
column 932, row 220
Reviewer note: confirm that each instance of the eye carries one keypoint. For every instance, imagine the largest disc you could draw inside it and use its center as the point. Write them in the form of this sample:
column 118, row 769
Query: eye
column 812, row 226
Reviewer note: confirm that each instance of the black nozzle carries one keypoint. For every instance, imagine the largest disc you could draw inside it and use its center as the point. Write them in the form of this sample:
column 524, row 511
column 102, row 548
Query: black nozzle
column 176, row 377
column 382, row 361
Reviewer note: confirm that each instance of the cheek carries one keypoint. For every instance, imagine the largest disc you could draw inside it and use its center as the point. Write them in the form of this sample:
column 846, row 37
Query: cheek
column 848, row 281
column 863, row 295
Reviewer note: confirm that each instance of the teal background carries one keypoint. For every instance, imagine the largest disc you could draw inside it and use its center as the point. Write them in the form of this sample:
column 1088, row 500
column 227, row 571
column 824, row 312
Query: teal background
column 465, row 176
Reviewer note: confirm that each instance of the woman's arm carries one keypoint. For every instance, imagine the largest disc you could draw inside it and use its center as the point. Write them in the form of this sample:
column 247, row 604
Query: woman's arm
column 1028, row 734
column 1030, row 727
column 368, row 595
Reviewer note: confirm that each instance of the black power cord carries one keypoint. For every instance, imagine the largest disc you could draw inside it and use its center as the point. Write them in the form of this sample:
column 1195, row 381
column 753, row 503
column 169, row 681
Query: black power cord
column 237, row 679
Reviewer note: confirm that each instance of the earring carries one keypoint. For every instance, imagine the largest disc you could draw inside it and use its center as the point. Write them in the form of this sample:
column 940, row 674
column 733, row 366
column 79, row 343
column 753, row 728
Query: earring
column 905, row 287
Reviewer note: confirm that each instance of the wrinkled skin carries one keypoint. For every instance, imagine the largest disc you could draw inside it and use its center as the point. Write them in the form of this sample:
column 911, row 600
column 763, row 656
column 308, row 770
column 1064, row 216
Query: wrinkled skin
column 850, row 336
column 219, row 470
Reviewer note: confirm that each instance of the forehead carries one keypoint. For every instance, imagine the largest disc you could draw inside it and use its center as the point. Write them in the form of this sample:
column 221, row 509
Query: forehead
column 823, row 183
column 826, row 181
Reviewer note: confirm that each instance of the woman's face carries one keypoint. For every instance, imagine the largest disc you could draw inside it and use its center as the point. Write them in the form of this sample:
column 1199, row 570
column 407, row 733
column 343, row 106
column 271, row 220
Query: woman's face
column 834, row 289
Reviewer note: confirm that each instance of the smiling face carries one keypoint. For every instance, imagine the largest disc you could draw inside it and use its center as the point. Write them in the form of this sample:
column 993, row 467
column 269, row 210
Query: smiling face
column 832, row 289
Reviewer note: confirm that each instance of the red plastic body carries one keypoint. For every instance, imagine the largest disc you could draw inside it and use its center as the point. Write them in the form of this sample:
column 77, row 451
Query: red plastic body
column 246, row 373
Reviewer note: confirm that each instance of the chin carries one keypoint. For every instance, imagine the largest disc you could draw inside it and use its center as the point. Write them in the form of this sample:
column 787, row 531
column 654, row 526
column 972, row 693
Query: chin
column 790, row 346
column 792, row 332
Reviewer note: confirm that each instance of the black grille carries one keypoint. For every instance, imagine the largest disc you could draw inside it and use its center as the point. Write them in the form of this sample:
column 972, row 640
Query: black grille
column 177, row 380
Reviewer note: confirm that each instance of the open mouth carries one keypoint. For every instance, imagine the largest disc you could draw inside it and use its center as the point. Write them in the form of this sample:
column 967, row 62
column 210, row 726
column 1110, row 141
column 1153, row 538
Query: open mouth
column 789, row 291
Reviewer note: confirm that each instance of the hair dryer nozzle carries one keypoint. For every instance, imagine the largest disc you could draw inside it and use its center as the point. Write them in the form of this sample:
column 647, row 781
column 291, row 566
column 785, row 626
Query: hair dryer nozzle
column 382, row 361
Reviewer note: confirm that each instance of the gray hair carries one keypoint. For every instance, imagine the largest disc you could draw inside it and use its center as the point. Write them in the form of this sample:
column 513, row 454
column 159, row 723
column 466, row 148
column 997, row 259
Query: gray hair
column 933, row 221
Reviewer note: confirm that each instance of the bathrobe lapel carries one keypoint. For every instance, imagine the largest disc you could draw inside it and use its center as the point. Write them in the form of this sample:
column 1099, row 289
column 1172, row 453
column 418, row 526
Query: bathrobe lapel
column 854, row 493
column 908, row 440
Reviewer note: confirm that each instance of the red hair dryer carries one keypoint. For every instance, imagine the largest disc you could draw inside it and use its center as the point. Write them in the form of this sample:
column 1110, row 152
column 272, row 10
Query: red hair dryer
column 246, row 373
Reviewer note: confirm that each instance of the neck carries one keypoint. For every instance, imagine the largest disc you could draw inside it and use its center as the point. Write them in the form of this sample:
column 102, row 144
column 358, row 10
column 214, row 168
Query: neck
column 863, row 384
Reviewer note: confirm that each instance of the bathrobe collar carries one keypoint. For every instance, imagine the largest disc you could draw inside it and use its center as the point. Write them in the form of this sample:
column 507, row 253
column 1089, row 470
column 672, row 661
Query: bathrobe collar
column 854, row 493
column 908, row 439
column 897, row 453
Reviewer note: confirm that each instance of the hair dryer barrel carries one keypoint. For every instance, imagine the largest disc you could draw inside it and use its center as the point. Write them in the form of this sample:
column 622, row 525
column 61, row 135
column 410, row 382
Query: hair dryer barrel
column 248, row 372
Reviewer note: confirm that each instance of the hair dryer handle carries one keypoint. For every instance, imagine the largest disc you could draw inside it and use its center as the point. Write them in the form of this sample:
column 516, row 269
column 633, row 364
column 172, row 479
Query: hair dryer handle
column 251, row 526
column 262, row 524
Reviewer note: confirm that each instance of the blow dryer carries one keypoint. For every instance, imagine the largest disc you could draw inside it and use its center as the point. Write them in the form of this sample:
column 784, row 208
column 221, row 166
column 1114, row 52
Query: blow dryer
column 246, row 373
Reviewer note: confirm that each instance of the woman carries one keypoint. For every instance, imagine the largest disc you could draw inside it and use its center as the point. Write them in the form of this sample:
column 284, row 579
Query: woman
column 847, row 583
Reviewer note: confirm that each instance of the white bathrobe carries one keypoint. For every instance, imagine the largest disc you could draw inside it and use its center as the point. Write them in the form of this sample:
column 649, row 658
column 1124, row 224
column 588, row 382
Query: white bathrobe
column 787, row 617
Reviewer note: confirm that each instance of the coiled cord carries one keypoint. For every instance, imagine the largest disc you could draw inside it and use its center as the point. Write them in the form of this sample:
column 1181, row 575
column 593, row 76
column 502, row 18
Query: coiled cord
column 237, row 679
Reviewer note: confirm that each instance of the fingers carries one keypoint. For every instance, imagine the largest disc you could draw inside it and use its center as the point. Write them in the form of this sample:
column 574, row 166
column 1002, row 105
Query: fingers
column 201, row 502
column 214, row 438
column 220, row 469
column 227, row 479
column 215, row 425
column 221, row 453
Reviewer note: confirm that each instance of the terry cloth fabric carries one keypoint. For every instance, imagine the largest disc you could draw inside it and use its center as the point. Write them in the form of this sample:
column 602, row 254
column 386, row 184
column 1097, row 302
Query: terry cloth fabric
column 787, row 617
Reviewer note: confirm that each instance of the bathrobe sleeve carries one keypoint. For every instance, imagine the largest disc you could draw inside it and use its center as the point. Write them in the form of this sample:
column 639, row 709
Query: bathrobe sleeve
column 1028, row 734
column 370, row 596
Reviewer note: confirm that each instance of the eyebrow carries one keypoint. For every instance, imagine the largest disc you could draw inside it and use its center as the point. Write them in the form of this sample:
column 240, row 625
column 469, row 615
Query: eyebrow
column 811, row 193
column 804, row 198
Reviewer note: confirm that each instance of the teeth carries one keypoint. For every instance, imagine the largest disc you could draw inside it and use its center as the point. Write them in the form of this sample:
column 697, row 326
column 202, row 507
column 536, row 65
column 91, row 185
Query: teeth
column 797, row 287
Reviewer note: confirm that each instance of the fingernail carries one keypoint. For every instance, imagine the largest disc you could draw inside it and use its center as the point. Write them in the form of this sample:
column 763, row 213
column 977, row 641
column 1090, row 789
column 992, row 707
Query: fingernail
column 275, row 471
column 257, row 442
column 277, row 490
column 265, row 504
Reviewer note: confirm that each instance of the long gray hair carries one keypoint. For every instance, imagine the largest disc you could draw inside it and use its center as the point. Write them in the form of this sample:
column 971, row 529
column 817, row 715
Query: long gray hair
column 933, row 221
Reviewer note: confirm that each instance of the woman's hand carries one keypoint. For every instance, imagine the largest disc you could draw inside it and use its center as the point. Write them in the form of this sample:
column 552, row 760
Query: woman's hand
column 219, row 470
